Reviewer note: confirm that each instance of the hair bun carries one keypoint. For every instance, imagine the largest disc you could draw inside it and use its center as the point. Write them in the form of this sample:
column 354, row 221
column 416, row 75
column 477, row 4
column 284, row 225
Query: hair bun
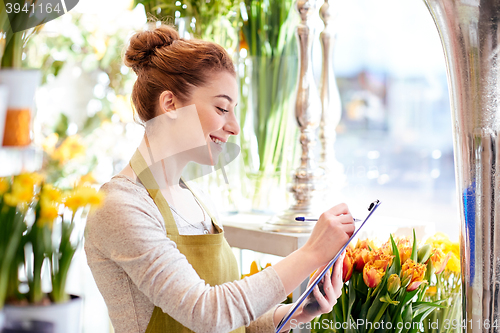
column 143, row 44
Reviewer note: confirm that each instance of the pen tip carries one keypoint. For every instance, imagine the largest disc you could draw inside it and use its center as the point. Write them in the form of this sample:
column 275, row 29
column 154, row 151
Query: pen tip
column 299, row 218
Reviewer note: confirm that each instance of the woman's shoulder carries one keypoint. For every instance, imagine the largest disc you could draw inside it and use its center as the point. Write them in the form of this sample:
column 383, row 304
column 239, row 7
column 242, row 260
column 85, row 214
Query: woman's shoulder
column 125, row 201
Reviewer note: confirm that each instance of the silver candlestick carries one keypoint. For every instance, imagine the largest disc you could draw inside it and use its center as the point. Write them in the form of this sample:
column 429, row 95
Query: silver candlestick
column 331, row 107
column 308, row 114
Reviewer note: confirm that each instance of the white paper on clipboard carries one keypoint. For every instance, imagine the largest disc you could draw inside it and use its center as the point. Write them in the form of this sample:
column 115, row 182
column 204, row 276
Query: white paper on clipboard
column 373, row 206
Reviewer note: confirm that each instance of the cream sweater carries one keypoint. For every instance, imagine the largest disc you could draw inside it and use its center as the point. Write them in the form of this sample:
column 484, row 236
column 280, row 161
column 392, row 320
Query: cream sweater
column 137, row 267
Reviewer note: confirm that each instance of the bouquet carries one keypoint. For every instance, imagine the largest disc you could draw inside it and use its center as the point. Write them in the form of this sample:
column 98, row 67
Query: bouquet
column 37, row 233
column 385, row 288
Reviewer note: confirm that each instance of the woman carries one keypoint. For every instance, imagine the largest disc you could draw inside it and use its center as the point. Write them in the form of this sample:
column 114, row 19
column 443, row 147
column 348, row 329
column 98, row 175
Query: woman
column 157, row 253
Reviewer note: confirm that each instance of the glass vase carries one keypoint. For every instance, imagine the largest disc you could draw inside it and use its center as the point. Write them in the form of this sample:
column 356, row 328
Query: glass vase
column 448, row 319
column 269, row 135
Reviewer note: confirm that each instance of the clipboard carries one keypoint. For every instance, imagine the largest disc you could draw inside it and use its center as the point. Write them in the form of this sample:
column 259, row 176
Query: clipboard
column 373, row 206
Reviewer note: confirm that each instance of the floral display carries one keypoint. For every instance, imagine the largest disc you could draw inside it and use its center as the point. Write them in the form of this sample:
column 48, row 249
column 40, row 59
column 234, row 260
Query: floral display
column 392, row 287
column 39, row 231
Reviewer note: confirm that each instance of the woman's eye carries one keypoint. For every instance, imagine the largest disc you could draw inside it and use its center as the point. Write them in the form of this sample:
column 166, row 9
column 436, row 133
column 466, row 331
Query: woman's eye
column 221, row 109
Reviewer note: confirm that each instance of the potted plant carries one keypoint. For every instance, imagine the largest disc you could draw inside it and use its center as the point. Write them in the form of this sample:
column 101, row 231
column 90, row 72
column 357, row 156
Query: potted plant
column 42, row 236
column 21, row 83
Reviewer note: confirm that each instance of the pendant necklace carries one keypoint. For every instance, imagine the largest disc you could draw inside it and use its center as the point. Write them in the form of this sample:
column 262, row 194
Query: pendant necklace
column 205, row 228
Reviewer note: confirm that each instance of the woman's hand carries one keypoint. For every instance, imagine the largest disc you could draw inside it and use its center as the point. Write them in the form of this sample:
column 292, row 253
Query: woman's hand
column 329, row 235
column 317, row 304
column 332, row 287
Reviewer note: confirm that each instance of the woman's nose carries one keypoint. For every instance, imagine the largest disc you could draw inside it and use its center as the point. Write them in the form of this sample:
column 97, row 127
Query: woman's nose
column 232, row 125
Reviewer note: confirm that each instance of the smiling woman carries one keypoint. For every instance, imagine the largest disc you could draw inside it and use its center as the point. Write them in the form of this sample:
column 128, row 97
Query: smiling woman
column 155, row 247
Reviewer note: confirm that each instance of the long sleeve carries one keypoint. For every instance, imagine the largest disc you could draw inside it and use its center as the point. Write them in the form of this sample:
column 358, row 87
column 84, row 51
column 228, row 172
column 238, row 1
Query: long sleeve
column 134, row 262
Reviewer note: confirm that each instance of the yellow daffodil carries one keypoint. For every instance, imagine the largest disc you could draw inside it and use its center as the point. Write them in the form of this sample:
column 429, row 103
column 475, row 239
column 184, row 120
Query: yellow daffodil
column 71, row 148
column 51, row 194
column 442, row 242
column 87, row 179
column 453, row 264
column 22, row 190
column 48, row 213
column 412, row 274
column 455, row 249
column 254, row 268
column 431, row 291
column 83, row 196
column 4, row 185
column 50, row 199
column 50, row 142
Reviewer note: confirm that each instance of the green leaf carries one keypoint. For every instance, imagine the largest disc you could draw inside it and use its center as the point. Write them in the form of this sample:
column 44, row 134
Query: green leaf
column 387, row 299
column 407, row 317
column 396, row 262
column 352, row 299
column 62, row 125
column 398, row 323
column 414, row 251
column 337, row 309
column 422, row 307
column 429, row 270
column 409, row 296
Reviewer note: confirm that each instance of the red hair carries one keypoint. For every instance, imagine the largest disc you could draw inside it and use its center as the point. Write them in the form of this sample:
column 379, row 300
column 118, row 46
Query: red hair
column 163, row 61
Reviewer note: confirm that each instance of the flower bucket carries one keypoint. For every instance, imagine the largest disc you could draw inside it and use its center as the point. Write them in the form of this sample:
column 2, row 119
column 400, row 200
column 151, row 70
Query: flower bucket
column 54, row 318
column 2, row 319
column 22, row 85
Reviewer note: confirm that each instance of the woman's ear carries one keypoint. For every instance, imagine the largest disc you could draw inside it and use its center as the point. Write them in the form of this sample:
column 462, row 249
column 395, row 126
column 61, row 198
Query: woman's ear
column 167, row 104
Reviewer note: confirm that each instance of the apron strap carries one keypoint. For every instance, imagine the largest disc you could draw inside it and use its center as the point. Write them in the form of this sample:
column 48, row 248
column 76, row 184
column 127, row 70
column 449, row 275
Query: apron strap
column 145, row 175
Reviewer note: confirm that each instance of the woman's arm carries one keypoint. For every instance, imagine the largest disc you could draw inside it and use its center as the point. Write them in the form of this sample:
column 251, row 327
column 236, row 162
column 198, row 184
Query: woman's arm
column 129, row 230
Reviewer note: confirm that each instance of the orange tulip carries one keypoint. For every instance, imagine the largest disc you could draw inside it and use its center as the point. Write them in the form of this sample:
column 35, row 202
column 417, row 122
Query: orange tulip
column 382, row 258
column 412, row 274
column 365, row 244
column 360, row 257
column 439, row 260
column 405, row 247
column 347, row 267
column 372, row 275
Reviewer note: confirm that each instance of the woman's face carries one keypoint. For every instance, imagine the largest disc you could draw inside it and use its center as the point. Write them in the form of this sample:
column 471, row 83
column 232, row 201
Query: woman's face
column 215, row 103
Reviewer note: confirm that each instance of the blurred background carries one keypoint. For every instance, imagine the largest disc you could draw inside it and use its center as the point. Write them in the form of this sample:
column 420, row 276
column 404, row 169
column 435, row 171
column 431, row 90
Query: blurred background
column 394, row 139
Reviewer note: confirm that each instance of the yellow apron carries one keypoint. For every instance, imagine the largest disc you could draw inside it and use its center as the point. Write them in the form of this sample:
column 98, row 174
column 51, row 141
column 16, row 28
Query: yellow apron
column 210, row 254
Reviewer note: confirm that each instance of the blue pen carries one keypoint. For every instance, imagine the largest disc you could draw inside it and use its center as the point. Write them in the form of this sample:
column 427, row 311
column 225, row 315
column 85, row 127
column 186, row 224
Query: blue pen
column 303, row 218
